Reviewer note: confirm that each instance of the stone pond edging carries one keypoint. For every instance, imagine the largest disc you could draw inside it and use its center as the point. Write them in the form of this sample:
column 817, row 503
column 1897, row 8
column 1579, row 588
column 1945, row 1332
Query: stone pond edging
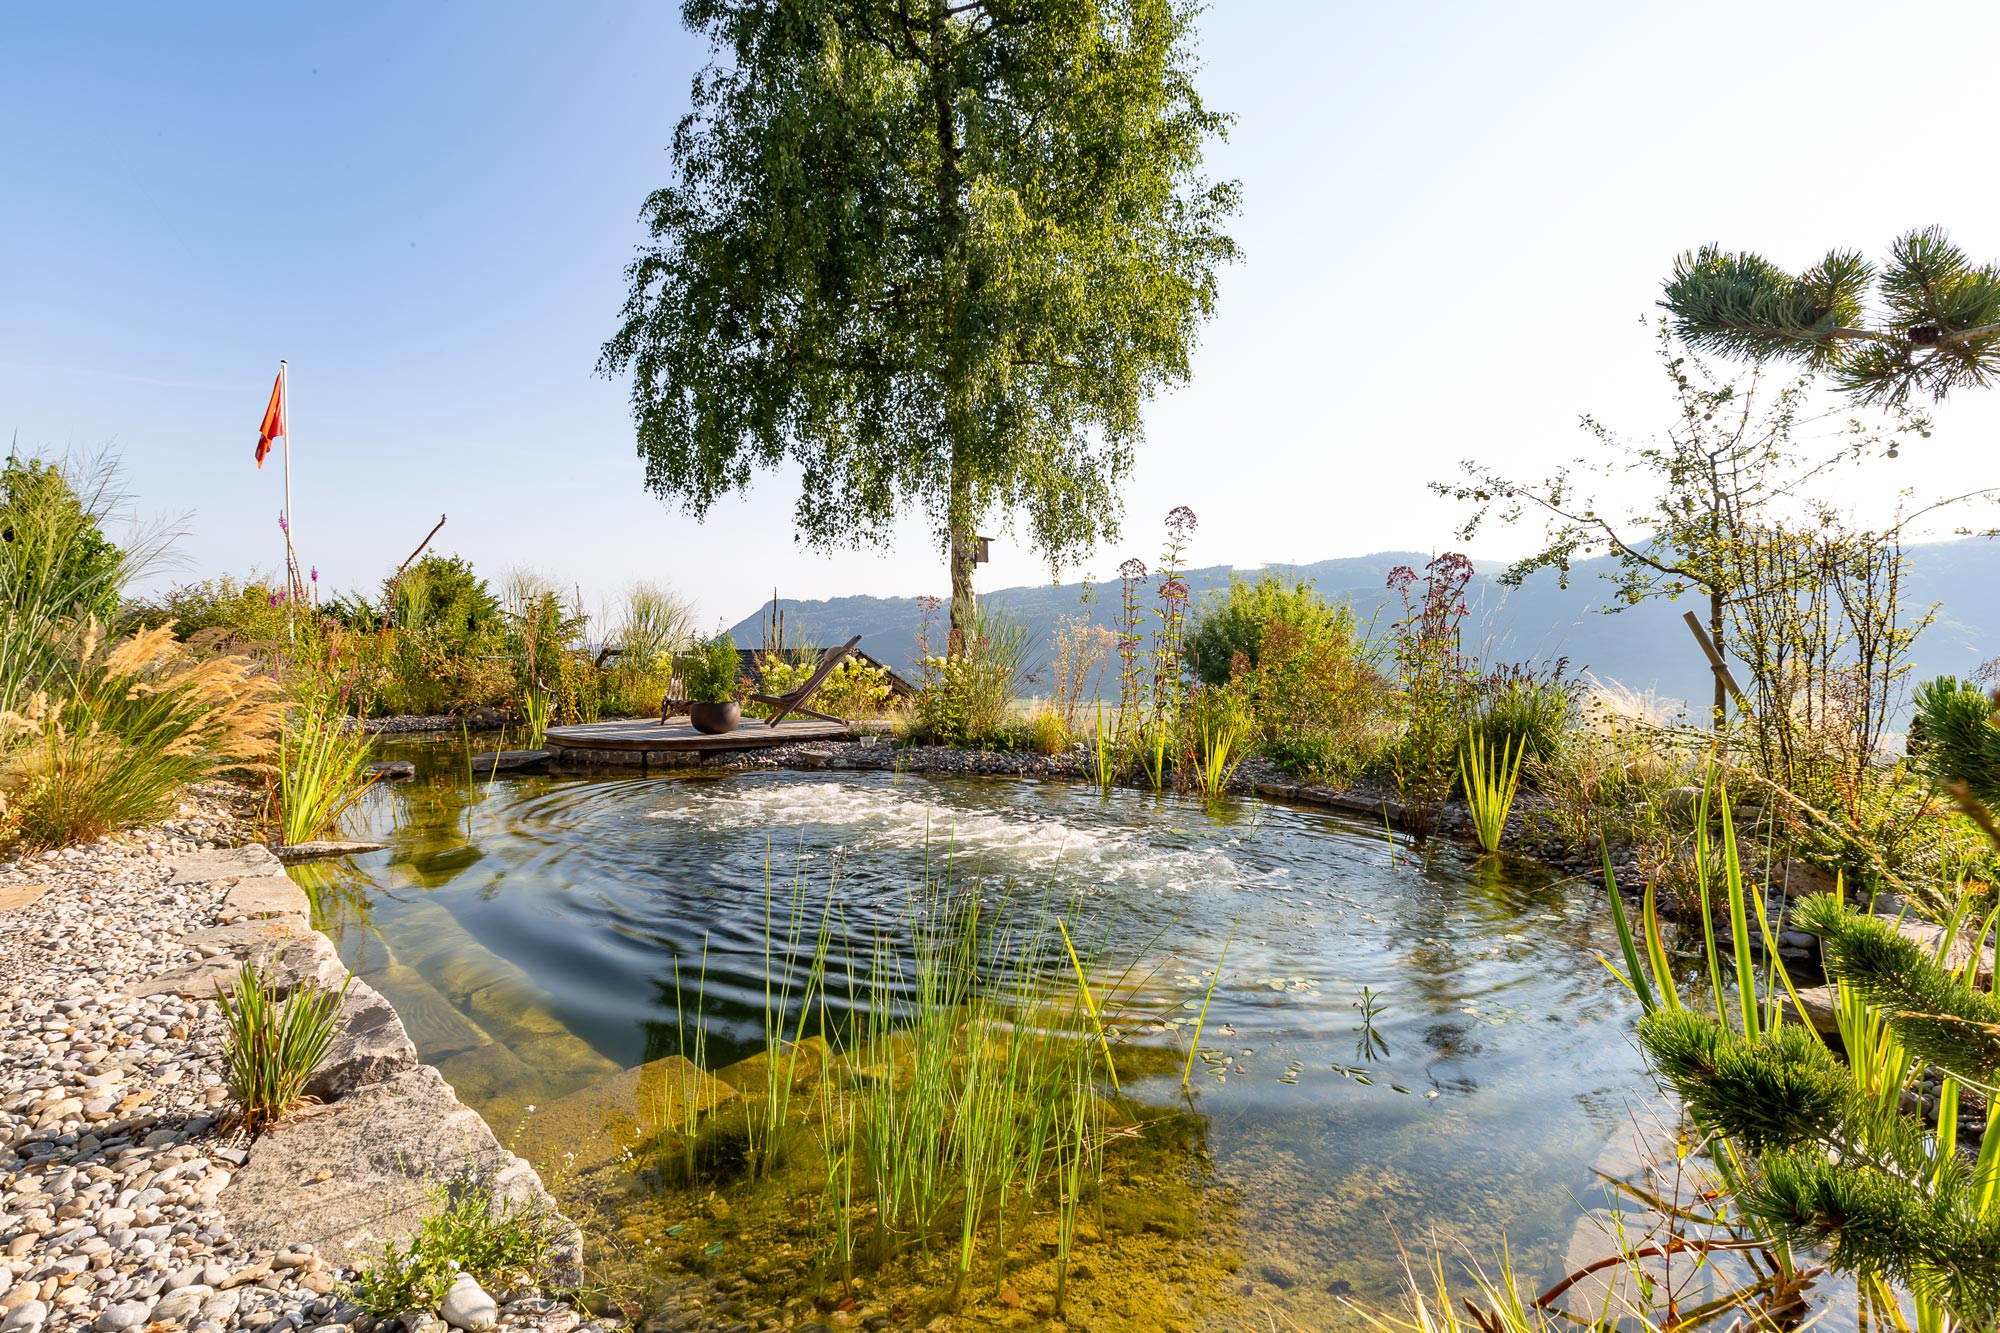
column 125, row 1201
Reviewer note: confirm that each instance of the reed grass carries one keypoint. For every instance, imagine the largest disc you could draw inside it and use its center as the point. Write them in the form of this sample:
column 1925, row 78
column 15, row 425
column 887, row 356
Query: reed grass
column 535, row 713
column 683, row 1116
column 273, row 1047
column 321, row 767
column 1490, row 783
column 1222, row 735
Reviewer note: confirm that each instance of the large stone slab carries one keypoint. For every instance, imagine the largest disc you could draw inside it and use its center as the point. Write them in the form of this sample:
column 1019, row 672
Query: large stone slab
column 20, row 895
column 290, row 953
column 267, row 895
column 1930, row 939
column 351, row 1178
column 508, row 761
column 228, row 863
column 372, row 1046
column 320, row 849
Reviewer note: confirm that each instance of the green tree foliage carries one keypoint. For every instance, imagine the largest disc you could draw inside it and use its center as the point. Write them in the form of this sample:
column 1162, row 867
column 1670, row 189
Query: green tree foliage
column 932, row 253
column 1236, row 621
column 52, row 538
column 443, row 595
column 1934, row 325
column 1955, row 736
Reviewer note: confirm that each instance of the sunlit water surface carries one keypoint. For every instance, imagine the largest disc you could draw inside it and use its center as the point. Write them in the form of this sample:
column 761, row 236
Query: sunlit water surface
column 531, row 940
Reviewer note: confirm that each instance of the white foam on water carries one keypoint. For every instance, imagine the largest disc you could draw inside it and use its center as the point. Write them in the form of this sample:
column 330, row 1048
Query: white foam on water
column 1016, row 843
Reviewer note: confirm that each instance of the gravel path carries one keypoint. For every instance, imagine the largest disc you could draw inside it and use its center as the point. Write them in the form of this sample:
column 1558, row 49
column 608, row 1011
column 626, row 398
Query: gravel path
column 113, row 1158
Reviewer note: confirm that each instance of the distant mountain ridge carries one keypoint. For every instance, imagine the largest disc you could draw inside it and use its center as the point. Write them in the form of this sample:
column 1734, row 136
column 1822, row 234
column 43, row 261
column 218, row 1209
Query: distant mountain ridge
column 1643, row 648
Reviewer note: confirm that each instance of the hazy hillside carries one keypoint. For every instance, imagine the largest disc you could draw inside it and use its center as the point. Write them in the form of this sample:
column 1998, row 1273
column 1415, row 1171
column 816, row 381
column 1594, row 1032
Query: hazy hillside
column 1642, row 647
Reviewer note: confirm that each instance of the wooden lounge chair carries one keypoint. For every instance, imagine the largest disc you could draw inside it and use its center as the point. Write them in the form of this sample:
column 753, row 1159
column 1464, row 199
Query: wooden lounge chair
column 793, row 701
column 672, row 702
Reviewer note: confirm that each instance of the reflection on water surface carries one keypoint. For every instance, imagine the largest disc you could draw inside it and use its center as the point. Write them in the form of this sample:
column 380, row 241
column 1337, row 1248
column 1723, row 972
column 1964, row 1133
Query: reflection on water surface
column 1393, row 1049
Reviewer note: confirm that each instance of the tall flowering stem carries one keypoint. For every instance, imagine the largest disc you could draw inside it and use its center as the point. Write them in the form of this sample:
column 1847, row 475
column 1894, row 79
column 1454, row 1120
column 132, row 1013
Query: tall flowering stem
column 1130, row 575
column 1437, row 681
column 1169, row 638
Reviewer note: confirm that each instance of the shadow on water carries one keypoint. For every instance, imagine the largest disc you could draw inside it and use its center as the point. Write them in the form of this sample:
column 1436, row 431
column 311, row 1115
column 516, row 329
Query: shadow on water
column 1427, row 1051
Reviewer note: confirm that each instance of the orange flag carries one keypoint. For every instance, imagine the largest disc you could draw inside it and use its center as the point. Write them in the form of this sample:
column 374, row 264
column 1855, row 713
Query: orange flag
column 274, row 417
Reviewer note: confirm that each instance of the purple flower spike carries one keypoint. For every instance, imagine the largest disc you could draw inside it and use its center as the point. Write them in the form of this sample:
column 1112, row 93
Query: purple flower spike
column 283, row 525
column 315, row 573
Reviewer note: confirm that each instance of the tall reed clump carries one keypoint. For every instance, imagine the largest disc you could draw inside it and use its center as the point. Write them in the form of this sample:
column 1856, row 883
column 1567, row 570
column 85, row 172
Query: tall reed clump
column 123, row 729
column 1490, row 782
column 322, row 763
column 654, row 624
column 274, row 1045
column 980, row 1087
column 956, row 1094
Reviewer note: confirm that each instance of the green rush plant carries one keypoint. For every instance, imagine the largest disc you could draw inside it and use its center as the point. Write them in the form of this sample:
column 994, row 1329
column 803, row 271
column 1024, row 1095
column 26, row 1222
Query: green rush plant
column 688, row 1102
column 1490, row 782
column 1221, row 737
column 781, row 1003
column 322, row 759
column 274, row 1045
column 535, row 712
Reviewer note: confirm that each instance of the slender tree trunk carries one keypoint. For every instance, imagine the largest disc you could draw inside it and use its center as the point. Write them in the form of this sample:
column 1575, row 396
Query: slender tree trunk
column 963, row 539
column 961, row 518
column 1720, row 715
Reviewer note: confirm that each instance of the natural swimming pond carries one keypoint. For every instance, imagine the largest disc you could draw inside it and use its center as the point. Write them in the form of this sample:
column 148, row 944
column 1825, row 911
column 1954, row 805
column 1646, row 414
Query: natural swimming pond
column 1396, row 1054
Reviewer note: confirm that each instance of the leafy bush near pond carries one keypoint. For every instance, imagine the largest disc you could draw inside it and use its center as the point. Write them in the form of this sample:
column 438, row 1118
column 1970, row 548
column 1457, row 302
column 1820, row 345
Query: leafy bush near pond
column 469, row 1229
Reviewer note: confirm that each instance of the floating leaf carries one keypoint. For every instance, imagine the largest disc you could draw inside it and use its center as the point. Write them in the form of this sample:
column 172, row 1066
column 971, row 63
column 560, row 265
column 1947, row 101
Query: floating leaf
column 677, row 1228
column 712, row 1249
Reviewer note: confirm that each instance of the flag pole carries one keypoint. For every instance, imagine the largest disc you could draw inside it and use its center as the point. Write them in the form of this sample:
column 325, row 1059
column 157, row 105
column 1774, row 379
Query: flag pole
column 291, row 559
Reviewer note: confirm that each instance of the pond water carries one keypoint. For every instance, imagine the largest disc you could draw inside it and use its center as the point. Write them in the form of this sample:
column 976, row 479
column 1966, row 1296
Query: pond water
column 1397, row 1054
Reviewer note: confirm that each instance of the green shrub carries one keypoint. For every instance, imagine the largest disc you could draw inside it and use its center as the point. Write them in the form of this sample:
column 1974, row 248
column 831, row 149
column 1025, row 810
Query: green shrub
column 968, row 699
column 1318, row 703
column 713, row 671
column 1233, row 624
column 1522, row 713
column 221, row 609
column 501, row 1242
column 61, row 582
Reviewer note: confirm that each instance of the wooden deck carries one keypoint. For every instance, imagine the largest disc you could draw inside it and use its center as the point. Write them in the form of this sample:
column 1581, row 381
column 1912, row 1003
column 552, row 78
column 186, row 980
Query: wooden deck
column 643, row 736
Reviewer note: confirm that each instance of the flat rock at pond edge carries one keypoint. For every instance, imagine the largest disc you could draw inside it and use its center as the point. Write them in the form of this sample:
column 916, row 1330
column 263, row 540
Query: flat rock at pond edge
column 20, row 895
column 227, row 863
column 319, row 849
column 267, row 895
column 350, row 1177
column 599, row 1122
column 372, row 1046
column 290, row 953
column 389, row 770
column 508, row 761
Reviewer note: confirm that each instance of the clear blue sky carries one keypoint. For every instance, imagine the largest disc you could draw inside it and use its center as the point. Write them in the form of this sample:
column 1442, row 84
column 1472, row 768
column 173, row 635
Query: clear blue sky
column 1455, row 218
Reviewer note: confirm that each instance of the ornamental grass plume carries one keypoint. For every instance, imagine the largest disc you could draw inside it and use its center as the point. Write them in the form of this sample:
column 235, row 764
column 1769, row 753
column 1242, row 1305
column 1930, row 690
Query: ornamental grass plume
column 133, row 726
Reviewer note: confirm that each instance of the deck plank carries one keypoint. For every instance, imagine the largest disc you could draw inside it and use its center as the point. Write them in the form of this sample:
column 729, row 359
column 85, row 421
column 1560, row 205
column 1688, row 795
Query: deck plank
column 646, row 735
